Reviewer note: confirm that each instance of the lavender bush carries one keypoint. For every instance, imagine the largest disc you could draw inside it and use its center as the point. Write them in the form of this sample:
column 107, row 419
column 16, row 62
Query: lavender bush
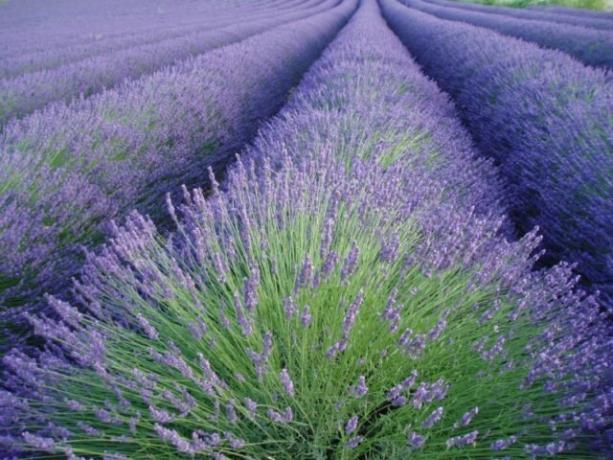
column 340, row 298
column 592, row 47
column 22, row 95
column 68, row 171
column 546, row 121
column 594, row 21
column 52, row 57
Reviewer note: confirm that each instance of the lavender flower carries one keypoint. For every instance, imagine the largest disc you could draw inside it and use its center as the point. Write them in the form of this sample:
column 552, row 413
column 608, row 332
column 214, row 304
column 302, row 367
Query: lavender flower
column 467, row 418
column 354, row 442
column 352, row 424
column 286, row 381
column 306, row 318
column 360, row 389
column 416, row 440
column 462, row 441
column 433, row 418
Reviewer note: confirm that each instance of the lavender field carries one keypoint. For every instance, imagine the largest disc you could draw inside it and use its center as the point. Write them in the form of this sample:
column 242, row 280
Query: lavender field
column 305, row 229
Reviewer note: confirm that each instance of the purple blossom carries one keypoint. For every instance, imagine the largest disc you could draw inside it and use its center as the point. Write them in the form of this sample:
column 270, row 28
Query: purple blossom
column 251, row 286
column 416, row 440
column 284, row 417
column 251, row 406
column 289, row 307
column 286, row 381
column 306, row 318
column 433, row 418
column 350, row 262
column 501, row 444
column 160, row 415
column 352, row 313
column 467, row 418
column 360, row 389
column 463, row 440
column 39, row 442
column 352, row 424
column 354, row 442
column 231, row 412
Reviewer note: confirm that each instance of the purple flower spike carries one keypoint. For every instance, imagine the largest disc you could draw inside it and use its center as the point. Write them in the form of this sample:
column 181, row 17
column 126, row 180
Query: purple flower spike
column 462, row 441
column 416, row 440
column 354, row 442
column 351, row 424
column 360, row 389
column 286, row 381
column 433, row 418
column 306, row 317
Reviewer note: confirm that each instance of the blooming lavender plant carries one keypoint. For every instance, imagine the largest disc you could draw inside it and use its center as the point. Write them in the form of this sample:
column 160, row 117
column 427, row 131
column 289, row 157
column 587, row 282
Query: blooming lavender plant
column 384, row 160
column 592, row 47
column 545, row 120
column 67, row 172
column 26, row 93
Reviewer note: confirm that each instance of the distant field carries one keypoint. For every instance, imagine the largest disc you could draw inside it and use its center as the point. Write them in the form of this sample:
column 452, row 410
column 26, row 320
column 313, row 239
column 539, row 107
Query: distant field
column 605, row 5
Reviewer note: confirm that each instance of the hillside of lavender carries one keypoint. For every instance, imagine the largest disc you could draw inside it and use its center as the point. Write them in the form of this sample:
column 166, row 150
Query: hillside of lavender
column 305, row 229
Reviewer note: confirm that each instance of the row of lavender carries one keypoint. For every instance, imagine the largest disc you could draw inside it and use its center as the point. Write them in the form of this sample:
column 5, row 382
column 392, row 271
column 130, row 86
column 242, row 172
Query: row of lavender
column 544, row 118
column 21, row 62
column 27, row 93
column 69, row 171
column 594, row 20
column 344, row 296
column 593, row 47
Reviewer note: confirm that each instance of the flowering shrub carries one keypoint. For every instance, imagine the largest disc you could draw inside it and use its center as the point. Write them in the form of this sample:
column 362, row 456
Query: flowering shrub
column 67, row 172
column 544, row 118
column 344, row 295
column 592, row 47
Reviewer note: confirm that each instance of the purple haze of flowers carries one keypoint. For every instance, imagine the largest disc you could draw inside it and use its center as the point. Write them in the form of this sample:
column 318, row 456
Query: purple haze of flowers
column 365, row 78
column 595, row 20
column 67, row 172
column 24, row 94
column 52, row 56
column 544, row 118
column 592, row 47
column 70, row 24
